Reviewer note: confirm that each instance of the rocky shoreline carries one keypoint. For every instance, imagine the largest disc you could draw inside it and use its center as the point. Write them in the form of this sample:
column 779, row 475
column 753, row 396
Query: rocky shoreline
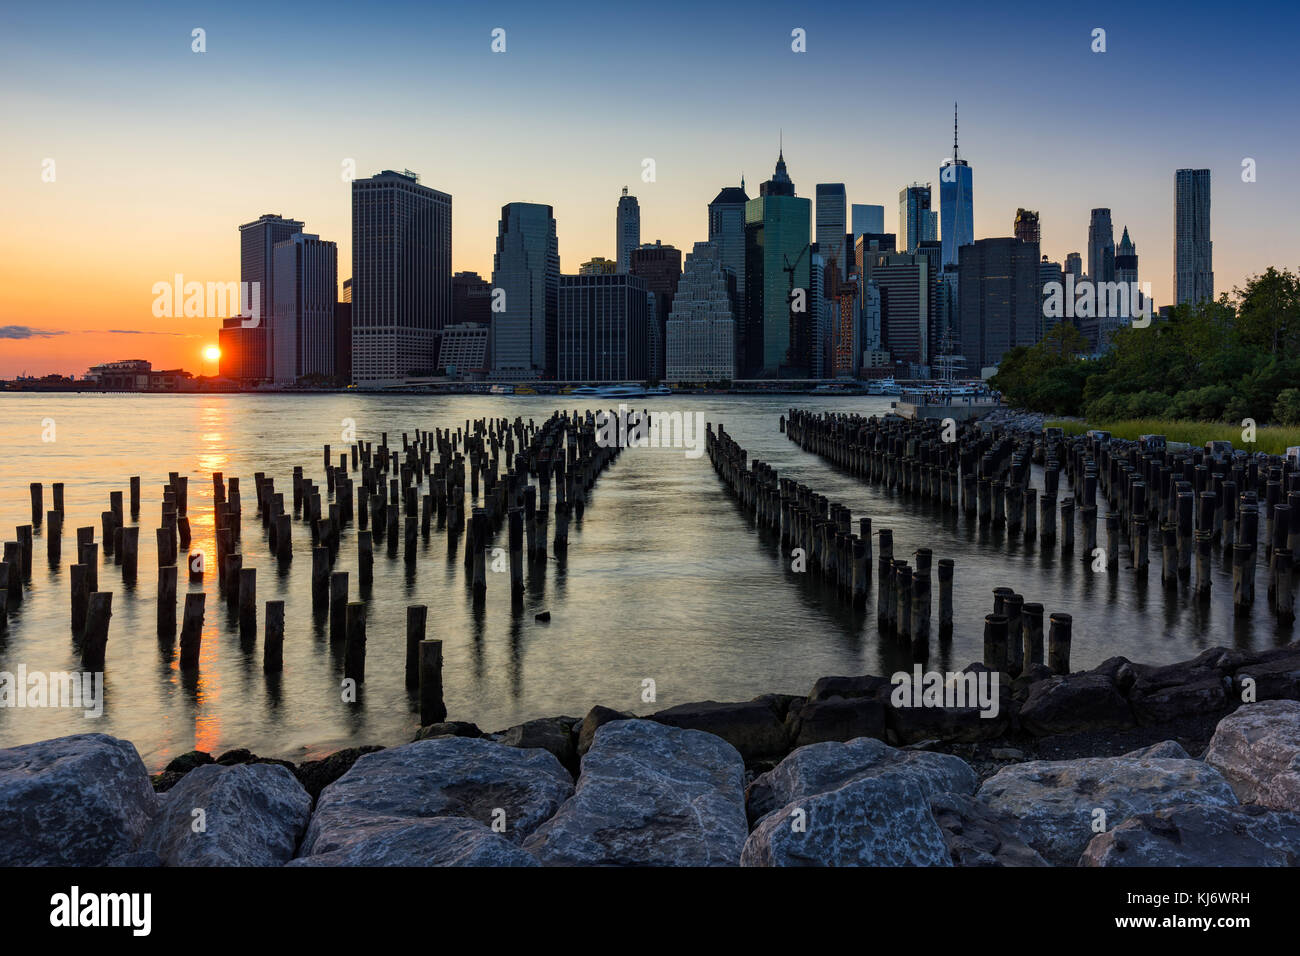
column 1194, row 763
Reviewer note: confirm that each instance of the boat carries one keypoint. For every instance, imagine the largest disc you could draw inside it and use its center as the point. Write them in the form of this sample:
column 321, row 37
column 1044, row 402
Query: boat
column 622, row 391
column 588, row 390
column 659, row 390
column 501, row 390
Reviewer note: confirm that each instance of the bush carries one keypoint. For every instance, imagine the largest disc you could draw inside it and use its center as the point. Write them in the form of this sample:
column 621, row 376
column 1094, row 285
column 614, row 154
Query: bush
column 1287, row 409
column 1144, row 405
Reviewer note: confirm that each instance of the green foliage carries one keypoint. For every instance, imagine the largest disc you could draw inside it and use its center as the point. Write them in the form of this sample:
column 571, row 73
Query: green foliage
column 1225, row 360
column 1287, row 409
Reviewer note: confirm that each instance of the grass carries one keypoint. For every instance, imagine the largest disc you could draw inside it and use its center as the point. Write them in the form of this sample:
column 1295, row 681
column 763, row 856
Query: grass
column 1272, row 439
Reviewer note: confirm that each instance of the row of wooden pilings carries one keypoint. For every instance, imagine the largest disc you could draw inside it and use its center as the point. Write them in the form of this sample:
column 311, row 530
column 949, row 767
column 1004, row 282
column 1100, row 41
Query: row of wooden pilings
column 819, row 535
column 563, row 453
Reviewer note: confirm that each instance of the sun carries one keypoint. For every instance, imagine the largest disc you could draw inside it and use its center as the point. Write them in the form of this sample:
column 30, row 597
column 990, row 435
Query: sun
column 211, row 353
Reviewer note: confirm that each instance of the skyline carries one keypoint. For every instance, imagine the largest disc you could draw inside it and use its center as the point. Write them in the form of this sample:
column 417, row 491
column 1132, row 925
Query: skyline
column 178, row 209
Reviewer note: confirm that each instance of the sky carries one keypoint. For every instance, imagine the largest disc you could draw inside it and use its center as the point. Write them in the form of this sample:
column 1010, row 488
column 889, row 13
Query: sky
column 128, row 158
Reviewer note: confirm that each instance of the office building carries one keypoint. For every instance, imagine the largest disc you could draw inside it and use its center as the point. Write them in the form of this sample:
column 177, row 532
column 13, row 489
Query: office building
column 660, row 267
column 401, row 275
column 526, row 270
column 956, row 202
column 700, row 333
column 603, row 328
column 727, row 233
column 1026, row 226
column 999, row 300
column 831, row 225
column 464, row 351
column 627, row 229
column 256, row 240
column 777, row 262
column 867, row 218
column 471, row 299
column 1101, row 247
column 598, row 266
column 1193, row 250
column 305, row 279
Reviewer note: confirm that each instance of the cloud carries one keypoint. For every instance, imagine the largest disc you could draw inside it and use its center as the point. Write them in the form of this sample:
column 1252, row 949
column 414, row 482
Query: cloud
column 26, row 332
column 184, row 335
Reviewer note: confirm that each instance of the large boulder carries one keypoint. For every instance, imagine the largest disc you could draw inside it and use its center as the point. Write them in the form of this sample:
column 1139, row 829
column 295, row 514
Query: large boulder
column 1168, row 705
column 73, row 801
column 431, row 841
column 1061, row 803
column 442, row 777
column 840, row 709
column 978, row 835
column 553, row 734
column 1258, row 750
column 869, row 820
column 252, row 815
column 827, row 766
column 596, row 718
column 650, row 795
column 1074, row 703
column 1197, row 835
column 756, row 727
column 912, row 716
column 1272, row 675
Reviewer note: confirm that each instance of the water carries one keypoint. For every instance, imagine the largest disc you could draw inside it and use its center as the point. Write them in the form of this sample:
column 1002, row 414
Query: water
column 665, row 580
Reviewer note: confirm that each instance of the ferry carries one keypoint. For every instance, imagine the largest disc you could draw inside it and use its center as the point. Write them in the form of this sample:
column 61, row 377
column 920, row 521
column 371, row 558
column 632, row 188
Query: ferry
column 622, row 391
column 589, row 391
column 659, row 390
column 501, row 390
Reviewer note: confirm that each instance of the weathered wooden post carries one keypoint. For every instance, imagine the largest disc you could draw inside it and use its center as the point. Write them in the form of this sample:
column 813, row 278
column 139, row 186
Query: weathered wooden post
column 320, row 576
column 1058, row 642
column 273, row 643
column 354, row 651
column 135, row 495
column 432, row 708
column 192, row 630
column 1204, row 540
column 1013, row 608
column 130, row 553
column 945, row 596
column 167, row 603
column 54, row 538
column 1031, row 616
column 479, row 541
column 1243, row 578
column 247, row 604
column 80, row 581
column 995, row 642
column 1067, row 524
column 416, row 617
column 38, row 509
column 1112, row 542
column 338, row 601
column 1031, row 513
column 95, row 641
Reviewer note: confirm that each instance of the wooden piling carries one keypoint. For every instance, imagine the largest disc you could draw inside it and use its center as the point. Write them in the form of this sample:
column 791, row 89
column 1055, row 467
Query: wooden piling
column 1058, row 642
column 167, row 603
column 94, row 643
column 273, row 641
column 354, row 651
column 416, row 619
column 192, row 630
column 432, row 708
column 995, row 642
column 338, row 601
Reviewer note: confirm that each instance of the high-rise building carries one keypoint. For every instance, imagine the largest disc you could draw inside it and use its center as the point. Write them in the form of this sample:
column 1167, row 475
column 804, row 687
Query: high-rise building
column 1026, row 226
column 464, row 351
column 1193, row 250
column 867, row 219
column 831, row 225
column 243, row 351
column 913, row 216
column 777, row 262
column 305, row 277
column 1101, row 247
column 598, row 266
column 906, row 284
column 627, row 229
column 700, row 334
column 401, row 275
column 727, row 232
column 956, row 202
column 661, row 268
column 471, row 299
column 256, row 240
column 1048, row 271
column 999, row 299
column 526, row 268
column 343, row 336
column 1074, row 265
column 602, row 328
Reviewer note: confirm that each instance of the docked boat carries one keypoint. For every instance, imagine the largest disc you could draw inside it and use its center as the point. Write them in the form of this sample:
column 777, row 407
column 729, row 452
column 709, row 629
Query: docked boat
column 622, row 391
column 589, row 391
column 501, row 390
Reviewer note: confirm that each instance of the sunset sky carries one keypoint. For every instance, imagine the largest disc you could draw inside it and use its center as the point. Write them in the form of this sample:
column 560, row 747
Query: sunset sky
column 160, row 153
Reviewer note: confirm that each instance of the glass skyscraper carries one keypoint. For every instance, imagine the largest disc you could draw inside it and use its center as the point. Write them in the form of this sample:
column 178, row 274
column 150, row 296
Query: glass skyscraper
column 526, row 271
column 1193, row 251
column 777, row 261
column 831, row 224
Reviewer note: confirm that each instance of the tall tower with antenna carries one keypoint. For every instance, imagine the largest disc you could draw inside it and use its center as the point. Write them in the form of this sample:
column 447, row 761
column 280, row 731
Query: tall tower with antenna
column 956, row 207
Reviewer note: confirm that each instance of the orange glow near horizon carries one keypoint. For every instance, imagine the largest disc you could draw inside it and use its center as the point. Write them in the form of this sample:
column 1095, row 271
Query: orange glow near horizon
column 211, row 353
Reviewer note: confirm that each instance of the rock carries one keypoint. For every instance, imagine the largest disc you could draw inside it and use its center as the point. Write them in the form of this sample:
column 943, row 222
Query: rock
column 1167, row 705
column 73, row 801
column 543, row 617
column 1074, row 703
column 756, row 728
column 1194, row 835
column 839, row 709
column 1021, row 686
column 232, row 757
column 1274, row 676
column 253, row 815
column 162, row 782
column 909, row 723
column 448, row 728
column 650, row 795
column 978, row 835
column 1166, row 748
column 1258, row 749
column 316, row 775
column 188, row 761
column 1006, row 753
column 827, row 766
column 596, row 718
column 880, row 820
column 137, row 859
column 431, row 841
column 1055, row 800
column 447, row 777
column 553, row 734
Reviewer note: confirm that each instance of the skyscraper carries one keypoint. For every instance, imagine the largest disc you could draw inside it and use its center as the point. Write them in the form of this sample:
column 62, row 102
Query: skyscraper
column 627, row 229
column 602, row 328
column 661, row 268
column 1074, row 265
column 1048, row 271
column 305, row 272
column 956, row 202
column 999, row 299
column 867, row 219
column 1101, row 247
column 256, row 240
column 913, row 209
column 526, row 268
column 700, row 331
column 401, row 275
column 906, row 284
column 1026, row 227
column 777, row 262
column 831, row 225
column 471, row 299
column 1193, row 250
column 727, row 233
